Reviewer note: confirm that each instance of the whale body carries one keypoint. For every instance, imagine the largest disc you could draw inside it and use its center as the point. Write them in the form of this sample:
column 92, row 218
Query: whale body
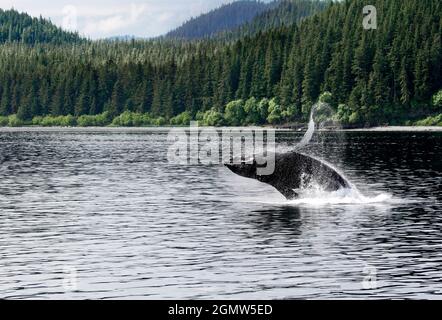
column 292, row 172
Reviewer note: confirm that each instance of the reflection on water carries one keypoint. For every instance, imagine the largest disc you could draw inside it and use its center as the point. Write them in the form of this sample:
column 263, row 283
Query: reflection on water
column 103, row 215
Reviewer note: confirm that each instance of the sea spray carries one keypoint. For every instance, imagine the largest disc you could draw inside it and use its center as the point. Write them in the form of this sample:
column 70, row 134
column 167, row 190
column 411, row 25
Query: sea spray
column 310, row 132
column 308, row 137
column 317, row 197
column 311, row 126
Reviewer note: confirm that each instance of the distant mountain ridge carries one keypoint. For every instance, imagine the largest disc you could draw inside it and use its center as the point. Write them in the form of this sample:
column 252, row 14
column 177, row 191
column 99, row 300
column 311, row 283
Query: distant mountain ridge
column 231, row 21
column 282, row 13
column 21, row 27
column 225, row 18
column 249, row 18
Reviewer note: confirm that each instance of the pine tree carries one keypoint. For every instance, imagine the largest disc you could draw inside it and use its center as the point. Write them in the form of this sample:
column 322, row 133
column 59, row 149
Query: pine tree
column 308, row 87
column 422, row 75
column 5, row 106
column 25, row 110
column 117, row 100
column 81, row 108
column 404, row 84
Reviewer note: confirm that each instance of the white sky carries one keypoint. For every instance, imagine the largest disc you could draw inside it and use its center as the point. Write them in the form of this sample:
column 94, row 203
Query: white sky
column 106, row 18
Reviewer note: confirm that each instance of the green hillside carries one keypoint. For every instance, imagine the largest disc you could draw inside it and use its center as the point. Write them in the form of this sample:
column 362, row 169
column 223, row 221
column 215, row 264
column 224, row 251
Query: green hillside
column 281, row 13
column 388, row 75
column 225, row 18
column 20, row 27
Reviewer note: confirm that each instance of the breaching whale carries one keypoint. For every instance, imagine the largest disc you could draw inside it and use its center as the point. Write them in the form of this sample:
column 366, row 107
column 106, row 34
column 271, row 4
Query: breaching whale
column 294, row 170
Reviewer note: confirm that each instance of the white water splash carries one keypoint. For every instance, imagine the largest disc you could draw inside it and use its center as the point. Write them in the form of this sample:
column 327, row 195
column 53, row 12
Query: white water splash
column 313, row 194
column 308, row 137
column 317, row 197
column 310, row 132
column 312, row 125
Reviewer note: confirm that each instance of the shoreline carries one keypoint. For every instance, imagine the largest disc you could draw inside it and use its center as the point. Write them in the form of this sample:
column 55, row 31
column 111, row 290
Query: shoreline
column 397, row 129
column 164, row 128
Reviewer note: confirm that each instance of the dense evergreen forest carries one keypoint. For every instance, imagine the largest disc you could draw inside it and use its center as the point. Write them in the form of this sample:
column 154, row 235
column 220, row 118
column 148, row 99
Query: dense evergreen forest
column 389, row 75
column 20, row 27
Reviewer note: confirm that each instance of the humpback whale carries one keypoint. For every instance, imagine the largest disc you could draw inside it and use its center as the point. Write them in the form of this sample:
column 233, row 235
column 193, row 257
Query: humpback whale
column 294, row 170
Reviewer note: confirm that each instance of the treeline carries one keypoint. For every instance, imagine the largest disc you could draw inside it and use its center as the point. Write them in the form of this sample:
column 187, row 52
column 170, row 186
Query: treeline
column 20, row 27
column 236, row 113
column 387, row 75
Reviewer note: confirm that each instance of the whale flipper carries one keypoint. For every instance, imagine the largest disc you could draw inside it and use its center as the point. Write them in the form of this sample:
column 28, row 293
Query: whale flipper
column 292, row 172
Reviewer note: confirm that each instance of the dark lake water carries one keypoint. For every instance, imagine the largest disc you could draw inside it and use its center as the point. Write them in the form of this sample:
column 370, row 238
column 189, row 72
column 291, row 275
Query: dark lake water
column 102, row 214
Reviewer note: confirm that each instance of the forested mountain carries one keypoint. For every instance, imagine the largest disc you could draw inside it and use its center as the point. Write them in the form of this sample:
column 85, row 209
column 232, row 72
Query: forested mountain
column 20, row 27
column 224, row 18
column 282, row 13
column 376, row 76
column 247, row 18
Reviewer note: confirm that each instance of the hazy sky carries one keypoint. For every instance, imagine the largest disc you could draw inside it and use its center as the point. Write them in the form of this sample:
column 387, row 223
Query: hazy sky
column 105, row 18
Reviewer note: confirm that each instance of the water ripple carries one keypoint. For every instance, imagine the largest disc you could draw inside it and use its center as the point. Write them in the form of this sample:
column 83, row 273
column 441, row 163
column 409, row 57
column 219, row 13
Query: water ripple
column 107, row 206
